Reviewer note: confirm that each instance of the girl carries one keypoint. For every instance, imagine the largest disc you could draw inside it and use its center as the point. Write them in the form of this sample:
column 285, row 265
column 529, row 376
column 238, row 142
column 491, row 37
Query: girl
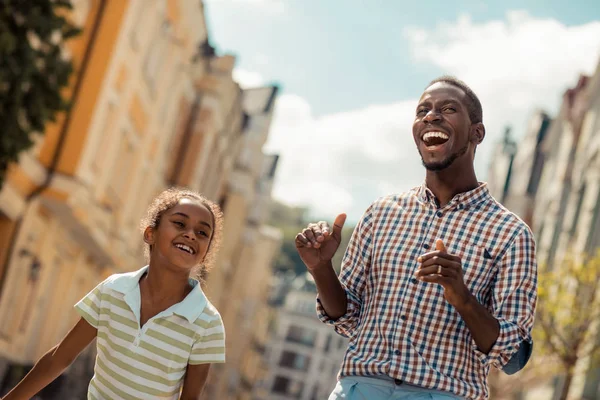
column 157, row 333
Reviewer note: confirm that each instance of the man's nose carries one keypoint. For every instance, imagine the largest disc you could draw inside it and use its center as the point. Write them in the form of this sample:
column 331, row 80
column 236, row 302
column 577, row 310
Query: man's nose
column 432, row 116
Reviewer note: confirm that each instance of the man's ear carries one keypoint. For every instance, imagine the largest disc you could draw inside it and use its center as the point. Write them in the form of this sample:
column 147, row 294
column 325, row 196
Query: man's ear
column 149, row 235
column 477, row 133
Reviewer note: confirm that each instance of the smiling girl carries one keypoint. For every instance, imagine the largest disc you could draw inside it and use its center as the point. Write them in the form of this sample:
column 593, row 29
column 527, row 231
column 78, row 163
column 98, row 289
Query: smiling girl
column 157, row 333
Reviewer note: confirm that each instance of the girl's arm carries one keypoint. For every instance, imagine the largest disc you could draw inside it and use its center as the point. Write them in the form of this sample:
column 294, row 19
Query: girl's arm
column 54, row 362
column 195, row 378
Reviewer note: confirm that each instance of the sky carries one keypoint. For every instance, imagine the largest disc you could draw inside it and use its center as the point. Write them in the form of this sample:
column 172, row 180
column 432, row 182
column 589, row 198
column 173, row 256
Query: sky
column 351, row 73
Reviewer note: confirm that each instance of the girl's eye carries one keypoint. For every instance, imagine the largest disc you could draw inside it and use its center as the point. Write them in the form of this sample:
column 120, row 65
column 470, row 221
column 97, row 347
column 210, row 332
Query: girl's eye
column 180, row 224
column 202, row 233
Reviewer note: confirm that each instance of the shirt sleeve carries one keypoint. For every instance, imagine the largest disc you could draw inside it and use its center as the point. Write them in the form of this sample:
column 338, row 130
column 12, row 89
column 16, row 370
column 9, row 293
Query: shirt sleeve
column 355, row 265
column 89, row 307
column 514, row 297
column 209, row 345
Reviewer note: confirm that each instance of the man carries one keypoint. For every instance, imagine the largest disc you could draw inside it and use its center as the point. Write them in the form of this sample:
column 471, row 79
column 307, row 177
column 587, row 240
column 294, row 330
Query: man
column 437, row 284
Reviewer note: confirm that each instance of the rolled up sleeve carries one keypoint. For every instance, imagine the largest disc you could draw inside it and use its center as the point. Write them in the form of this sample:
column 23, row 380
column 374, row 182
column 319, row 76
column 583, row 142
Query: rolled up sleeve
column 514, row 297
column 355, row 264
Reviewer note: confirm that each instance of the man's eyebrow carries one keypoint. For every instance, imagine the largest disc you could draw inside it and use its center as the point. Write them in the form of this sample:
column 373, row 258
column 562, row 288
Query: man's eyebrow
column 450, row 101
column 444, row 102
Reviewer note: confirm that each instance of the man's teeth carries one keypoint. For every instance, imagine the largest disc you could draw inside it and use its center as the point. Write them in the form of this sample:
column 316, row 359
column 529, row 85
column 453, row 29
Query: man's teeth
column 185, row 248
column 429, row 135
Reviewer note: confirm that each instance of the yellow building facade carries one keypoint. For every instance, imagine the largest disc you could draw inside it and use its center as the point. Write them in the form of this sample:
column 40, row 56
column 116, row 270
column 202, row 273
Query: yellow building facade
column 152, row 106
column 239, row 285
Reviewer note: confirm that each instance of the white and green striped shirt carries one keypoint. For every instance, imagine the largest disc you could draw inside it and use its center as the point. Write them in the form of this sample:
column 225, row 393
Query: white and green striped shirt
column 148, row 362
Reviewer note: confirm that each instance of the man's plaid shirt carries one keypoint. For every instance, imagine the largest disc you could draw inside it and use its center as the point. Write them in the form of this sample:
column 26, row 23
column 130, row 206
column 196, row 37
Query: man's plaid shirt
column 404, row 328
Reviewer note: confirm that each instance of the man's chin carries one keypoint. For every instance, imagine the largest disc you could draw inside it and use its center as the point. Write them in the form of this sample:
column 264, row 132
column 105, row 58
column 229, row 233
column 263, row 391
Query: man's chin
column 437, row 165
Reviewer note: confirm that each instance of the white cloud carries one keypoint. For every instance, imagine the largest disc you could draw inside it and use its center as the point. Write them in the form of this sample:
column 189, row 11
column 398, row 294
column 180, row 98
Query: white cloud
column 341, row 162
column 247, row 79
column 274, row 6
column 515, row 65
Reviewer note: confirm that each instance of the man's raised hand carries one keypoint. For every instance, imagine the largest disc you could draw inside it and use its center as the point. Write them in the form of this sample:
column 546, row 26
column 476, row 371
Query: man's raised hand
column 317, row 243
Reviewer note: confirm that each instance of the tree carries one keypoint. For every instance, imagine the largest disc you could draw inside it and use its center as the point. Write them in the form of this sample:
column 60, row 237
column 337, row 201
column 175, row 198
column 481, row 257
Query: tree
column 567, row 314
column 292, row 220
column 33, row 71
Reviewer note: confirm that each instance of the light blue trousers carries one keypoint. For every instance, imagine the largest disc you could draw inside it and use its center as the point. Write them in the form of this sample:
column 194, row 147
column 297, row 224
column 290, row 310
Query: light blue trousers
column 383, row 388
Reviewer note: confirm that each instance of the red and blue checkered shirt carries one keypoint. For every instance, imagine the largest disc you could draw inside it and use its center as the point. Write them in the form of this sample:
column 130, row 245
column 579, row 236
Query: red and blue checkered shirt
column 403, row 328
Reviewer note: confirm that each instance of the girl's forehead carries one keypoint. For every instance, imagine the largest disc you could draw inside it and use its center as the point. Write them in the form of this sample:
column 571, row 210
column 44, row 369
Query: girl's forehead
column 190, row 201
column 187, row 206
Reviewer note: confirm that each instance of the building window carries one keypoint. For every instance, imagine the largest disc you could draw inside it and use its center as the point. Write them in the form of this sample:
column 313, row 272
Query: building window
column 295, row 361
column 315, row 393
column 156, row 56
column 123, row 168
column 281, row 385
column 577, row 212
column 593, row 240
column 140, row 22
column 286, row 386
column 106, row 134
column 302, row 335
column 327, row 343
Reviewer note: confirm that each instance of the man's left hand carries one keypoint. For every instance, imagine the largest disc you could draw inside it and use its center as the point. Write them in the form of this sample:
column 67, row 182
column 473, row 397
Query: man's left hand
column 445, row 269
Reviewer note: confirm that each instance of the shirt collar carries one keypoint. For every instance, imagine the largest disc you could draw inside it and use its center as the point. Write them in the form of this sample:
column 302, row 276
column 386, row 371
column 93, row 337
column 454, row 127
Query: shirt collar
column 190, row 308
column 463, row 200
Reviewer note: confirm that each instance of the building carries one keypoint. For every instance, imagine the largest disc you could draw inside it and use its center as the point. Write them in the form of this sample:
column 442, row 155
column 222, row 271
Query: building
column 581, row 230
column 525, row 163
column 555, row 187
column 559, row 150
column 153, row 106
column 304, row 354
column 245, row 263
column 501, row 166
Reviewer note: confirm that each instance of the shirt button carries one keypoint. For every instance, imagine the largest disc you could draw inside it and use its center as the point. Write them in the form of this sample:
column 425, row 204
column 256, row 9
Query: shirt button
column 397, row 352
column 414, row 280
column 403, row 317
column 439, row 213
column 425, row 246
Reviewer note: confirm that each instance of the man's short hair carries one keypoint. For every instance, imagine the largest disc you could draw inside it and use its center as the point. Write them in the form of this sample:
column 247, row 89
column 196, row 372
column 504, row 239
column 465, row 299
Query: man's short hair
column 473, row 106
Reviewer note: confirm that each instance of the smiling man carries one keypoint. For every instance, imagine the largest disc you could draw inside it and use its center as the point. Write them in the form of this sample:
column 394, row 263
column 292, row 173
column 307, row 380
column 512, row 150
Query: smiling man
column 437, row 284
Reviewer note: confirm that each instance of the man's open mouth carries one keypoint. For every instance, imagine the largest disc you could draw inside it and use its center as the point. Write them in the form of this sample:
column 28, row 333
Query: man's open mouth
column 434, row 138
column 185, row 248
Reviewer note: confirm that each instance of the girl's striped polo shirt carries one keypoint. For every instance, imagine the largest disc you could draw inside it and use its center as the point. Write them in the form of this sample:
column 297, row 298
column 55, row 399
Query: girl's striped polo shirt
column 148, row 362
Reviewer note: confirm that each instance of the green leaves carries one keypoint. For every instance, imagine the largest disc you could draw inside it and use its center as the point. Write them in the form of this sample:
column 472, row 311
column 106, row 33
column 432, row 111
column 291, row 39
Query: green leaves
column 32, row 71
column 568, row 308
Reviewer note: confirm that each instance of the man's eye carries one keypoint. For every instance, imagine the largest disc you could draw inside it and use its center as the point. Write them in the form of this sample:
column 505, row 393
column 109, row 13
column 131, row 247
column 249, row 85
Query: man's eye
column 450, row 109
column 422, row 111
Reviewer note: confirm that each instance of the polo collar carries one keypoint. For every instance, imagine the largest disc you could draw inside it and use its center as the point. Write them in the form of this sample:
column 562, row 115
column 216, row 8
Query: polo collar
column 128, row 284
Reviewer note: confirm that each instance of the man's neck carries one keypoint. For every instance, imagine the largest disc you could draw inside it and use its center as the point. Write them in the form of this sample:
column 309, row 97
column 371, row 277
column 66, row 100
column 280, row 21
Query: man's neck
column 449, row 182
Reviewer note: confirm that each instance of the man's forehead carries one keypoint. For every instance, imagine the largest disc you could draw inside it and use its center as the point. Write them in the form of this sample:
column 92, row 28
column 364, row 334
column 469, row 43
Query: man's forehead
column 443, row 91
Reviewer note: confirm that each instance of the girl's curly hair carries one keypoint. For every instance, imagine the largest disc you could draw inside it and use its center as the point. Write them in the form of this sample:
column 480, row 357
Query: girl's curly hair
column 167, row 200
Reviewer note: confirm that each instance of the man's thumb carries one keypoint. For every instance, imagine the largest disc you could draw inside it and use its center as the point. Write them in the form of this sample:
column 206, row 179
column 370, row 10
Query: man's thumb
column 338, row 224
column 439, row 245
